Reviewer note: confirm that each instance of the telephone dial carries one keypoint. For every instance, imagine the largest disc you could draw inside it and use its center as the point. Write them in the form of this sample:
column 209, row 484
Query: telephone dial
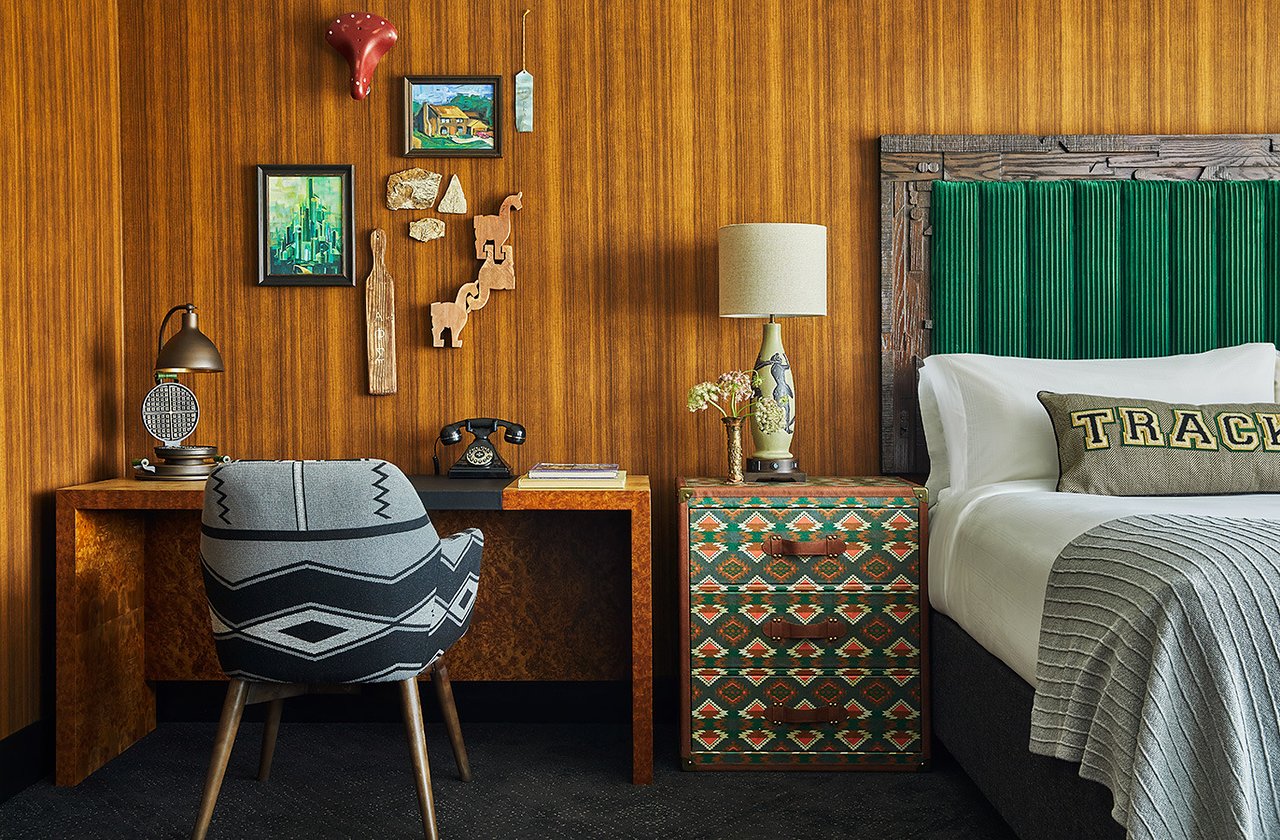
column 480, row 459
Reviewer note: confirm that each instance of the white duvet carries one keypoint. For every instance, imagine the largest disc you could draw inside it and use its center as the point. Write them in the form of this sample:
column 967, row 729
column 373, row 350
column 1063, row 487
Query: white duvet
column 991, row 549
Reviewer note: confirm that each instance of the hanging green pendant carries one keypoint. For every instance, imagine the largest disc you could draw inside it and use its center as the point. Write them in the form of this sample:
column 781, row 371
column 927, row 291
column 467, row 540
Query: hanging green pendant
column 524, row 88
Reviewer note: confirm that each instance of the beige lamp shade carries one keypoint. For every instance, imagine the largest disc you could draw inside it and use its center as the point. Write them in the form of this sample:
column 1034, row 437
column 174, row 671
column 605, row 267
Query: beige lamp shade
column 773, row 269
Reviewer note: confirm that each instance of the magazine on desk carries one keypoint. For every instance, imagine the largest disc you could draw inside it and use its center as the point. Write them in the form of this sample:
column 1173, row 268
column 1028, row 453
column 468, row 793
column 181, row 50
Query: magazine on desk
column 575, row 481
column 573, row 471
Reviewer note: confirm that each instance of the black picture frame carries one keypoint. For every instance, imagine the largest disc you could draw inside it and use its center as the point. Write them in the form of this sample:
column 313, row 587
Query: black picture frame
column 410, row 82
column 346, row 274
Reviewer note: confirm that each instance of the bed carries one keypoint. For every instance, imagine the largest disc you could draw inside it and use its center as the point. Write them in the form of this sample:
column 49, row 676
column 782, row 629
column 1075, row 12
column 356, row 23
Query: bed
column 1058, row 248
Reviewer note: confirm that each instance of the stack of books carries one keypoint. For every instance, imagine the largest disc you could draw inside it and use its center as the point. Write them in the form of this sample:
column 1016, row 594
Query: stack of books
column 574, row 477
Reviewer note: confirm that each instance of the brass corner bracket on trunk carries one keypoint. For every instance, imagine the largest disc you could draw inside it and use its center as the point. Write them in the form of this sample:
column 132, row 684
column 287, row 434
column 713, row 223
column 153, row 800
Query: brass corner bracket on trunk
column 921, row 492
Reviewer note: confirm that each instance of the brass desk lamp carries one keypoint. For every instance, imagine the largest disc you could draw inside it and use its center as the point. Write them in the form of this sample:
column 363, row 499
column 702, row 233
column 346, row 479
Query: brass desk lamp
column 170, row 411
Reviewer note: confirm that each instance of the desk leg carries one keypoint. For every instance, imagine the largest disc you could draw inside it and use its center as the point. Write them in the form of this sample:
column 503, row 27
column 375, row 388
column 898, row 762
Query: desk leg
column 641, row 644
column 103, row 702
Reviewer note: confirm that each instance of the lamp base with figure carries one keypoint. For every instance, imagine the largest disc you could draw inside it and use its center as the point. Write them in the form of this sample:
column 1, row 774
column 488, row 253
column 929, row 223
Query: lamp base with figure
column 772, row 460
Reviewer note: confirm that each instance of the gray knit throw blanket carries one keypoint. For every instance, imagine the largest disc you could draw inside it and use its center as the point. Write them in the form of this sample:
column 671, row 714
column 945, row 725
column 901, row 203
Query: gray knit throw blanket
column 1159, row 673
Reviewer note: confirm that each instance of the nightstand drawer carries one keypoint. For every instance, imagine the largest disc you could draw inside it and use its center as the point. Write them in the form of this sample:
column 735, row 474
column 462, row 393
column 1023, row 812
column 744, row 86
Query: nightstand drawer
column 842, row 548
column 816, row 629
column 805, row 716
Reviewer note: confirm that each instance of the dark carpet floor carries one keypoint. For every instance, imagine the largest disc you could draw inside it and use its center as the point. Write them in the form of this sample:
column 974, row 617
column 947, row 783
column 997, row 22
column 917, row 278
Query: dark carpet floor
column 335, row 780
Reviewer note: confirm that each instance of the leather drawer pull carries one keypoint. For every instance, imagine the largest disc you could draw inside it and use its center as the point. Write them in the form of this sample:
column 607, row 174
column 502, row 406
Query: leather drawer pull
column 779, row 629
column 776, row 546
column 780, row 714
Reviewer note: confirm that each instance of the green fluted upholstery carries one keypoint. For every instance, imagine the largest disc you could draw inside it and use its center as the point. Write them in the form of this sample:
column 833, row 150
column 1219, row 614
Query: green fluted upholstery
column 1144, row 254
column 1051, row 288
column 1193, row 266
column 954, row 271
column 1242, row 266
column 1271, row 242
column 1098, row 311
column 1002, row 263
column 1095, row 269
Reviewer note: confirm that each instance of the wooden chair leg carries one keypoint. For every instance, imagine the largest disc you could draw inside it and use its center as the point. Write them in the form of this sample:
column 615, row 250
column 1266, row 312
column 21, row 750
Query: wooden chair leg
column 232, row 711
column 444, row 693
column 269, row 733
column 418, row 748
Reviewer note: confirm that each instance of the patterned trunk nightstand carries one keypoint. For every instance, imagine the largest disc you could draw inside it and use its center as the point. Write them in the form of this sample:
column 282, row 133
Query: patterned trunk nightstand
column 804, row 611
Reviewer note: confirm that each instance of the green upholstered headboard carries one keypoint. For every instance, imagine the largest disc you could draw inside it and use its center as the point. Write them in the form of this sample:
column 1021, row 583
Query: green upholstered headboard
column 1103, row 269
column 1070, row 247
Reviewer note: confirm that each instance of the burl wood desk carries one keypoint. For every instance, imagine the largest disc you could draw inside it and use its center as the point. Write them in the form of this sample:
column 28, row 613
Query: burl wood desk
column 131, row 608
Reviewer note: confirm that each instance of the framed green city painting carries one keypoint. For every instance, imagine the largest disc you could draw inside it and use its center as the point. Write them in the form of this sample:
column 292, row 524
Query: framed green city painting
column 306, row 226
column 453, row 116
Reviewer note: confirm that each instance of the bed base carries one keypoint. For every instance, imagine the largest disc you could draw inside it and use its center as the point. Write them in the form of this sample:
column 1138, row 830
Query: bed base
column 982, row 715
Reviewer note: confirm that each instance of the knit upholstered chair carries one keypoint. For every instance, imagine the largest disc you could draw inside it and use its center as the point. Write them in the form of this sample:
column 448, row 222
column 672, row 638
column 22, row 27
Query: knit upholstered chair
column 329, row 573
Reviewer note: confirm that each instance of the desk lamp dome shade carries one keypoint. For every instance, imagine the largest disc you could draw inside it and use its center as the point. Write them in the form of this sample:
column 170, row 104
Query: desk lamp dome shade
column 189, row 350
column 773, row 270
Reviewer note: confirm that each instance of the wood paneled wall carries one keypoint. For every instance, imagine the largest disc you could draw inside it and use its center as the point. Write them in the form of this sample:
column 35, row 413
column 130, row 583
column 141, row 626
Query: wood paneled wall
column 656, row 123
column 60, row 320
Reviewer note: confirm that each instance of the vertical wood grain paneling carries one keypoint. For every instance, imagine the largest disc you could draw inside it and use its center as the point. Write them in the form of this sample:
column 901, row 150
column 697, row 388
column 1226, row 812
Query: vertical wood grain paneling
column 60, row 305
column 657, row 122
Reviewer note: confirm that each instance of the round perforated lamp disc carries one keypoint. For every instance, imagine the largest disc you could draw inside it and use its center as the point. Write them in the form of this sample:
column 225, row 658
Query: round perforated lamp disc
column 170, row 412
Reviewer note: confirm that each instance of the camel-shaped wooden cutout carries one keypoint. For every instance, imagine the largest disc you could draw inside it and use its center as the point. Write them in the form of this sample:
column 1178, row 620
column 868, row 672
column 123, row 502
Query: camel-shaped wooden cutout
column 452, row 315
column 496, row 229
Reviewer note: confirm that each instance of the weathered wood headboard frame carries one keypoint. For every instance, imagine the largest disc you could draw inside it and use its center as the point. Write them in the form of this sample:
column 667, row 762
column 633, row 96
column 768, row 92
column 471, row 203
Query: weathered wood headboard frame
column 909, row 164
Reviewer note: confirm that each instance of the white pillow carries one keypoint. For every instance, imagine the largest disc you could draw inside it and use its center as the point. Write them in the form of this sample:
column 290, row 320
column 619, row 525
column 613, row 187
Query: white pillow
column 995, row 429
column 934, row 436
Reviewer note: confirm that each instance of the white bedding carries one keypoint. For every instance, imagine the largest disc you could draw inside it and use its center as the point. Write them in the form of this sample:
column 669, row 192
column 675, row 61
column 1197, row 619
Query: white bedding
column 991, row 549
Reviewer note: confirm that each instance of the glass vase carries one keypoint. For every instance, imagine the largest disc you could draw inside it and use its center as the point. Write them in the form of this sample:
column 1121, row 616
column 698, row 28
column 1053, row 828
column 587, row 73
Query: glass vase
column 733, row 434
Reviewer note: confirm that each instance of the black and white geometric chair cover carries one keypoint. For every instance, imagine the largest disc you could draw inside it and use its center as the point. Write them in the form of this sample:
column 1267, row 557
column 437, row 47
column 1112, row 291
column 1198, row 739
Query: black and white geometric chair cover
column 330, row 572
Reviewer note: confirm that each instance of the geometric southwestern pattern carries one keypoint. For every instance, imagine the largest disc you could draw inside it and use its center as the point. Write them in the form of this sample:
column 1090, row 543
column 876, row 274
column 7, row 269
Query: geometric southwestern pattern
column 330, row 572
column 804, row 617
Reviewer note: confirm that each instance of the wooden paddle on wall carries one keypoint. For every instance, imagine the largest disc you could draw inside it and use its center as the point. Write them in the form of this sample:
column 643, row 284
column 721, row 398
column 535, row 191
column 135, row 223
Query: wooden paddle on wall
column 380, row 319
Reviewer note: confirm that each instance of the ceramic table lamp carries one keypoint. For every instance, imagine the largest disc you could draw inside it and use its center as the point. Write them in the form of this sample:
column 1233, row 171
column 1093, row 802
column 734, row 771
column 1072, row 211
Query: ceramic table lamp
column 773, row 271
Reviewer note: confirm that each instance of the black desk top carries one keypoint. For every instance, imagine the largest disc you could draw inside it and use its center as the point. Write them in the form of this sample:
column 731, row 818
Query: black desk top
column 439, row 492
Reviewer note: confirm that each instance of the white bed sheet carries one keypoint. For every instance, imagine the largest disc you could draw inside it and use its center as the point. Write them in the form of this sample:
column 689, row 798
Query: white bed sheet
column 991, row 550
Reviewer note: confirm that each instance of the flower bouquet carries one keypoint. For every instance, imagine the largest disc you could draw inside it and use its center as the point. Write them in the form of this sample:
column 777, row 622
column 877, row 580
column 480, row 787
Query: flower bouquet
column 736, row 395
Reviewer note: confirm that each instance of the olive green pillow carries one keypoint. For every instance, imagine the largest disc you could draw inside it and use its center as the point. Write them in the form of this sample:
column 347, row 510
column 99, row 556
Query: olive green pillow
column 1112, row 446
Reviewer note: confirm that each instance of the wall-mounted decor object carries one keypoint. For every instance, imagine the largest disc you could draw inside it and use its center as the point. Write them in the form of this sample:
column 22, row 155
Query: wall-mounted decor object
column 773, row 271
column 170, row 411
column 496, row 229
column 362, row 38
column 454, row 201
column 452, row 315
column 472, row 297
column 497, row 275
column 412, row 189
column 306, row 226
column 453, row 116
column 524, row 87
column 380, row 319
column 492, row 233
column 425, row 230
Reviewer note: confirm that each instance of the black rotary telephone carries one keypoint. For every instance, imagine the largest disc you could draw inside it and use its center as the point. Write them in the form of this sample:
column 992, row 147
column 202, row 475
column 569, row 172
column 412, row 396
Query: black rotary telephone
column 480, row 459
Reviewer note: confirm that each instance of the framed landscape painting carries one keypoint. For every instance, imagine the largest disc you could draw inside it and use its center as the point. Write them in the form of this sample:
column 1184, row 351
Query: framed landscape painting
column 453, row 116
column 306, row 226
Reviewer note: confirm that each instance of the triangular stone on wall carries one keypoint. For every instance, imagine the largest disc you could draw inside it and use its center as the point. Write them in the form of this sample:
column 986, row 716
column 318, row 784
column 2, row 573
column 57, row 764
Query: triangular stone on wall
column 454, row 200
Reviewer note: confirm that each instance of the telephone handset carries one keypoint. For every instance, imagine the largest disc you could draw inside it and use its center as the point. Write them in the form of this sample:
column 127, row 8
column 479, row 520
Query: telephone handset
column 480, row 459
